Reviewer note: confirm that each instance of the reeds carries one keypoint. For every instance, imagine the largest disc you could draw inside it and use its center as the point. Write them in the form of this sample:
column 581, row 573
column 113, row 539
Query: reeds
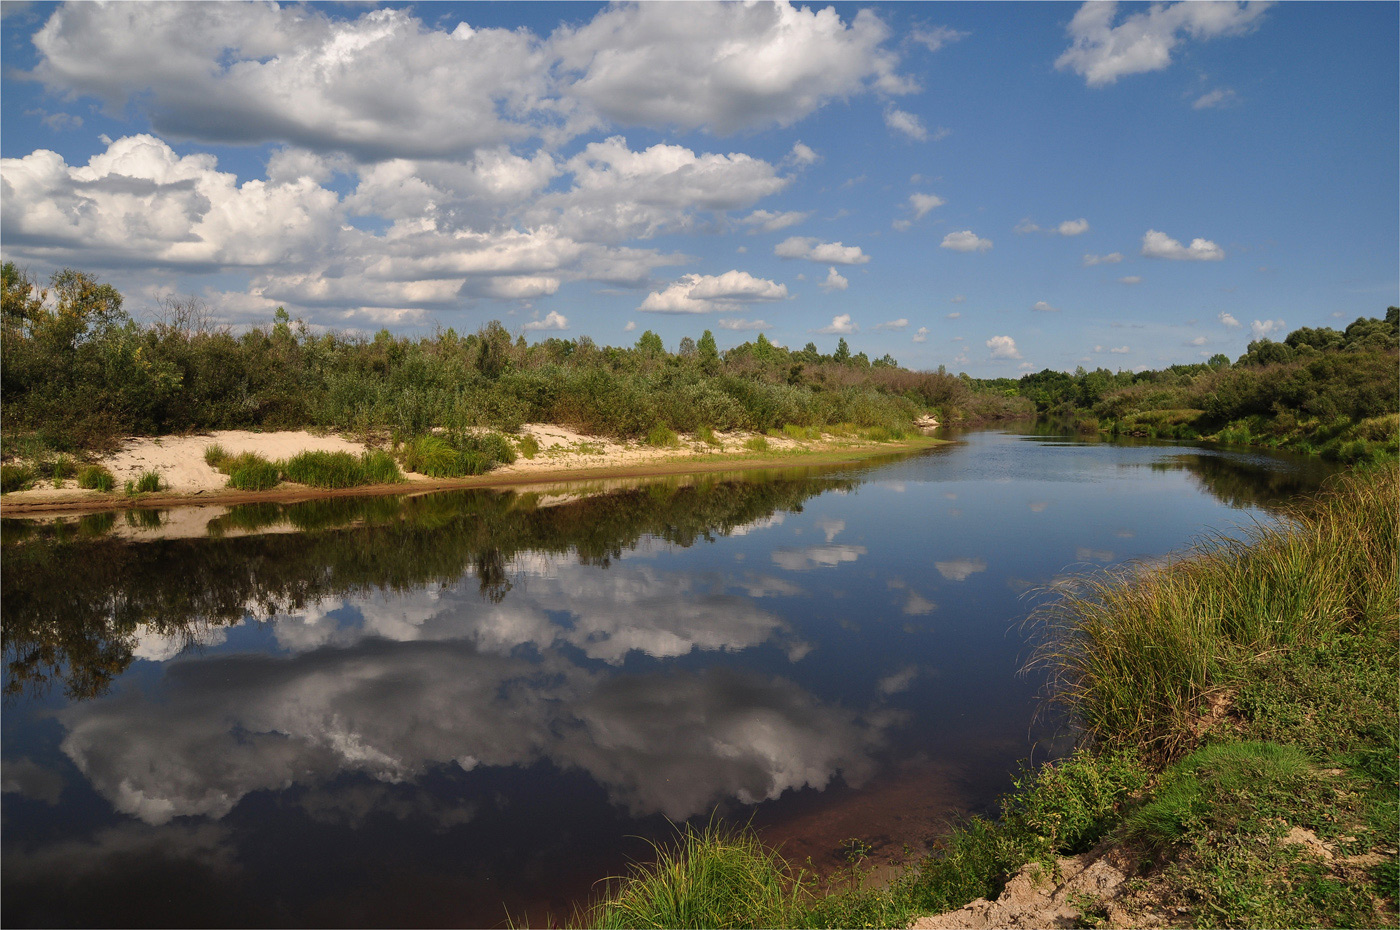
column 1134, row 654
column 332, row 470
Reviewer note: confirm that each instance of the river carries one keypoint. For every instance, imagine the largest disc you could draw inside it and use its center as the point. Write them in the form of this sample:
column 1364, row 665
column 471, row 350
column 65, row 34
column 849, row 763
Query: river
column 466, row 708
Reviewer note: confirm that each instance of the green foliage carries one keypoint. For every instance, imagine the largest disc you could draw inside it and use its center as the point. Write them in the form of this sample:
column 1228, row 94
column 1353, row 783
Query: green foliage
column 380, row 468
column 756, row 444
column 329, row 470
column 96, row 478
column 148, row 482
column 528, row 445
column 663, row 437
column 250, row 472
column 715, row 877
column 15, row 478
column 214, row 456
column 707, row 436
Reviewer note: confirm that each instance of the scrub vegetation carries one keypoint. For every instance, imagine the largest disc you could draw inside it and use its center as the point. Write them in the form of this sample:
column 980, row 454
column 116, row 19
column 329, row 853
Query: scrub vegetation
column 1241, row 739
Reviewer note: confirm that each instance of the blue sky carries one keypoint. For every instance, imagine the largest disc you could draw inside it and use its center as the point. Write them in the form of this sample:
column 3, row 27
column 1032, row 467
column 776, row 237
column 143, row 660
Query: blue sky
column 995, row 187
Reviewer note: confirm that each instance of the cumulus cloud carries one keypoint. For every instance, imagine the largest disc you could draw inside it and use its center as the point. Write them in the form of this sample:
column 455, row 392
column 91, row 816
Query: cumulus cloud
column 1044, row 307
column 1130, row 279
column 1159, row 245
column 1198, row 341
column 1112, row 258
column 723, row 67
column 841, row 323
column 923, row 203
column 1120, row 350
column 828, row 556
column 823, row 252
column 834, row 281
column 960, row 569
column 802, row 155
column 900, row 323
column 552, row 320
column 1003, row 347
column 906, row 123
column 1102, row 52
column 1227, row 320
column 965, row 241
column 696, row 293
column 921, row 334
column 1260, row 329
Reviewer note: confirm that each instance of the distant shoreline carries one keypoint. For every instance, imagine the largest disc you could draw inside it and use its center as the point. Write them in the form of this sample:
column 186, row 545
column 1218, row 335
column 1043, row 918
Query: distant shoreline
column 552, row 468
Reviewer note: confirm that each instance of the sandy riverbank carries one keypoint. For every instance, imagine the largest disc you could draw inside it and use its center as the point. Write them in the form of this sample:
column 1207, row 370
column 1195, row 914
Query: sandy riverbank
column 563, row 455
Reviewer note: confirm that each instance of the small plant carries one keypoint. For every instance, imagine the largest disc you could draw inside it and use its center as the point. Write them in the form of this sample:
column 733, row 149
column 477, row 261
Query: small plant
column 528, row 445
column 251, row 472
column 707, row 436
column 380, row 468
column 63, row 468
column 215, row 455
column 756, row 444
column 95, row 478
column 662, row 437
column 801, row 433
column 15, row 478
column 148, row 483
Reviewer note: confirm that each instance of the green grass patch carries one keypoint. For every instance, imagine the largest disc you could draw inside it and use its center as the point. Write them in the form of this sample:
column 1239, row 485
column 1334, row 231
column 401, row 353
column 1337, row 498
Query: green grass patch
column 662, row 437
column 15, row 478
column 334, row 470
column 63, row 468
column 802, row 433
column 528, row 446
column 96, row 478
column 756, row 444
column 707, row 436
column 215, row 455
column 148, row 483
column 251, row 472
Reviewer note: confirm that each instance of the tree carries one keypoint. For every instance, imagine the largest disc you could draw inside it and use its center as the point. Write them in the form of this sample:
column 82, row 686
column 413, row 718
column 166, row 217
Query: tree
column 843, row 351
column 650, row 345
column 708, row 353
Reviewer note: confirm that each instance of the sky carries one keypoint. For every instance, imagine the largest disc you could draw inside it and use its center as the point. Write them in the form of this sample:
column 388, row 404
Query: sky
column 994, row 187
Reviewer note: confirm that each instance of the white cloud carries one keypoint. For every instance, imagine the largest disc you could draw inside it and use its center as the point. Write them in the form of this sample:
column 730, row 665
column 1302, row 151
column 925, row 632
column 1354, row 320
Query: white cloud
column 906, row 123
column 1112, row 258
column 1259, row 329
column 935, row 38
column 834, row 281
column 723, row 67
column 1073, row 227
column 921, row 334
column 766, row 221
column 802, row 155
column 1198, row 341
column 1120, row 350
column 815, row 250
column 900, row 323
column 841, row 324
column 1227, row 320
column 695, row 293
column 741, row 325
column 965, row 241
column 1102, row 52
column 955, row 315
column 630, row 327
column 828, row 556
column 957, row 299
column 960, row 569
column 1044, row 307
column 1159, row 245
column 923, row 203
column 1220, row 97
column 1130, row 279
column 1003, row 347
column 552, row 320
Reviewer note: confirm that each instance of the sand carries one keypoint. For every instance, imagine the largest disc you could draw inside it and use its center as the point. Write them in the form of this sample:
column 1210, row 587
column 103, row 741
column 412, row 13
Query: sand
column 563, row 455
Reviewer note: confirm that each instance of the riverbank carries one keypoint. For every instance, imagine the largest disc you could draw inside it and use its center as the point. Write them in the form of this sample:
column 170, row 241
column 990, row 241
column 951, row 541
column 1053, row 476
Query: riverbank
column 1246, row 775
column 557, row 455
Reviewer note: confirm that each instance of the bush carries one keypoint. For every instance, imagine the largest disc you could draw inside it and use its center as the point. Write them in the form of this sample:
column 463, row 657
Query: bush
column 662, row 437
column 15, row 478
column 96, row 478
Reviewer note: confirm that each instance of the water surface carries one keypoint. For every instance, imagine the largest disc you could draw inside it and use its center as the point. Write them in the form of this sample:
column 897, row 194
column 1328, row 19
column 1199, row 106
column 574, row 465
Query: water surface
column 457, row 708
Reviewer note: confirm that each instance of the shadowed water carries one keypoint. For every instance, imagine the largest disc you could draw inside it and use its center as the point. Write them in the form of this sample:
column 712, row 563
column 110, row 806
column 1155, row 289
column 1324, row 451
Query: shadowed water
column 457, row 708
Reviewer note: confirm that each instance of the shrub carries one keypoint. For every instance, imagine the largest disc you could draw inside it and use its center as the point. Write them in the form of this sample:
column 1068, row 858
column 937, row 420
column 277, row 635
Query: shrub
column 496, row 448
column 96, row 478
column 663, row 437
column 15, row 478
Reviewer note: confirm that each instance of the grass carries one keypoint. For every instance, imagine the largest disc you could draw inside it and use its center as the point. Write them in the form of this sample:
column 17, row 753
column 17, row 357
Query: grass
column 251, row 472
column 528, row 446
column 449, row 456
column 802, row 433
column 15, row 478
column 663, row 437
column 707, row 436
column 64, row 468
column 215, row 455
column 756, row 443
column 332, row 470
column 96, row 478
column 148, row 483
column 713, row 877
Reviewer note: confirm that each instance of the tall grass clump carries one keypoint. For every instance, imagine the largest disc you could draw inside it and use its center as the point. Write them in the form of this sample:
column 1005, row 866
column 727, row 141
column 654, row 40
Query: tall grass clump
column 15, row 478
column 250, row 472
column 149, row 482
column 528, row 445
column 332, row 470
column 662, row 437
column 215, row 455
column 447, row 456
column 95, row 478
column 1135, row 655
column 715, row 877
